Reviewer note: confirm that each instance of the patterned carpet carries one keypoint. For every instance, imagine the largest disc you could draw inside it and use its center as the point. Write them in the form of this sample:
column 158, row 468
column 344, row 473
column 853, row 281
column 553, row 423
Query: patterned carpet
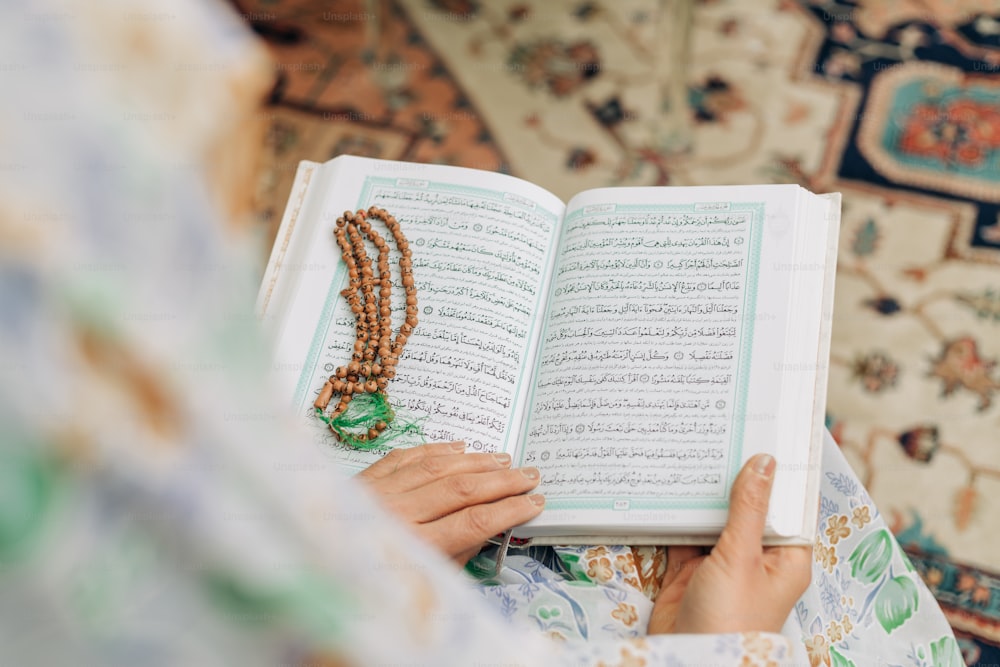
column 895, row 103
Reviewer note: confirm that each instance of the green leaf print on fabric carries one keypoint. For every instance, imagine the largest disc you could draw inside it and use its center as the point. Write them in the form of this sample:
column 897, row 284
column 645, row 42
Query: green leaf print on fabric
column 26, row 488
column 945, row 653
column 871, row 557
column 309, row 602
column 547, row 613
column 906, row 561
column 247, row 603
column 572, row 563
column 482, row 569
column 896, row 602
column 838, row 660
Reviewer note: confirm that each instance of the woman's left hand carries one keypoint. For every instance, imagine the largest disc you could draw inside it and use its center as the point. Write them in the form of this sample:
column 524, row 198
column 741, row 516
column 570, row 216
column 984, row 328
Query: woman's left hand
column 740, row 586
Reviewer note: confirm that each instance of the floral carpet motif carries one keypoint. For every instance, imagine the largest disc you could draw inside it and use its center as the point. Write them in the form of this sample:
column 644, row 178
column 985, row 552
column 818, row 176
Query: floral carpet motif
column 895, row 103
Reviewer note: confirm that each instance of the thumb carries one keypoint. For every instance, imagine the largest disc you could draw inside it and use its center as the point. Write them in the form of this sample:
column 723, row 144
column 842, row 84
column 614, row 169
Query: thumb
column 748, row 503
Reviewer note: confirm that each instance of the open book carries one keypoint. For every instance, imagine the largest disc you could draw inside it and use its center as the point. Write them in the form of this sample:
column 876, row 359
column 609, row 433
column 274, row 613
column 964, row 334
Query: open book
column 637, row 345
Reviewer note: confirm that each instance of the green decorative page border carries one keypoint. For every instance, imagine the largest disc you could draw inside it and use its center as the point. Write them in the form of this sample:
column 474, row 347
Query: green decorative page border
column 339, row 280
column 742, row 373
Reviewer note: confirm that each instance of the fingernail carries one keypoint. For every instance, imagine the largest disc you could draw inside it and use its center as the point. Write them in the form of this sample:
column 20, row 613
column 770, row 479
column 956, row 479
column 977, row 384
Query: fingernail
column 502, row 459
column 537, row 499
column 458, row 446
column 530, row 473
column 764, row 465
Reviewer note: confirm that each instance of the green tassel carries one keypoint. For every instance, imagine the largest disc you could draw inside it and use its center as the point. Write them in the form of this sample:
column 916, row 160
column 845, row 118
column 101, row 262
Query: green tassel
column 362, row 413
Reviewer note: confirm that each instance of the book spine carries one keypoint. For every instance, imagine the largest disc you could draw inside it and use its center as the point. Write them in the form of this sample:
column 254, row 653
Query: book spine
column 304, row 177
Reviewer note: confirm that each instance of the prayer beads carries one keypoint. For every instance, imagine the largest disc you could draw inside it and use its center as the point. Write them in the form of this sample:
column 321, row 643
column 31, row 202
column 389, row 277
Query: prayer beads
column 375, row 354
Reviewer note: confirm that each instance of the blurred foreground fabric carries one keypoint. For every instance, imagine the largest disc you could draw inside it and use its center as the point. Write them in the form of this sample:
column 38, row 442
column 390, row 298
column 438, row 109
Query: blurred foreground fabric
column 157, row 508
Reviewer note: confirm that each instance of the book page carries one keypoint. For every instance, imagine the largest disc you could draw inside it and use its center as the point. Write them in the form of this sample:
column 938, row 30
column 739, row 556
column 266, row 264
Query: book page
column 665, row 310
column 480, row 245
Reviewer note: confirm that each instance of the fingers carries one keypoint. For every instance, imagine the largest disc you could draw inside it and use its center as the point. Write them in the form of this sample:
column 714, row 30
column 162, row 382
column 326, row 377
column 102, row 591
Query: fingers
column 429, row 469
column 455, row 500
column 398, row 458
column 791, row 566
column 465, row 531
column 748, row 501
column 680, row 562
column 456, row 492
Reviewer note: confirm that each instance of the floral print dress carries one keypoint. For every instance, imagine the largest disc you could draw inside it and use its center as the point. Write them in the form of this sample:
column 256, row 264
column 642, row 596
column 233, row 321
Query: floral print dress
column 865, row 606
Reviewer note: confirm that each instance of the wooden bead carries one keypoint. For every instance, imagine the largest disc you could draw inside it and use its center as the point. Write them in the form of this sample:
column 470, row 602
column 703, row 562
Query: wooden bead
column 371, row 387
column 325, row 394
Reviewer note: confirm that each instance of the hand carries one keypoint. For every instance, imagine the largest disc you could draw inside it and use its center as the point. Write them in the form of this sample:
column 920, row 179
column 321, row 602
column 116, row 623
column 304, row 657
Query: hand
column 740, row 586
column 455, row 501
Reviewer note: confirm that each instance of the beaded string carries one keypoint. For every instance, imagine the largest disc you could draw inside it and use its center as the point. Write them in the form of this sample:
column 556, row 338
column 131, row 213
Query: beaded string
column 373, row 361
